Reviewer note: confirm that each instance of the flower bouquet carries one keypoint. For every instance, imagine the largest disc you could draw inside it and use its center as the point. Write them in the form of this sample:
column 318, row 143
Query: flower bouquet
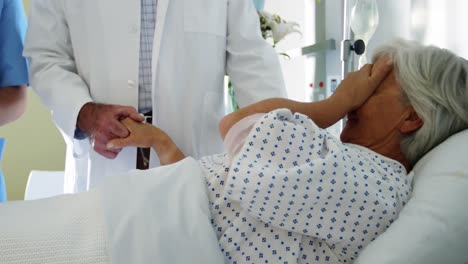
column 273, row 28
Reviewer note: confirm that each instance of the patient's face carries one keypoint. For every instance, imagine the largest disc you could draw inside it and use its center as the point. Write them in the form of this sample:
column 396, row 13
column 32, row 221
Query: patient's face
column 377, row 120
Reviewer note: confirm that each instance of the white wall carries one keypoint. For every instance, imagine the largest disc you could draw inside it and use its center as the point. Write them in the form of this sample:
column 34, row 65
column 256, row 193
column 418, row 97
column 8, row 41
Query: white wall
column 443, row 24
column 32, row 143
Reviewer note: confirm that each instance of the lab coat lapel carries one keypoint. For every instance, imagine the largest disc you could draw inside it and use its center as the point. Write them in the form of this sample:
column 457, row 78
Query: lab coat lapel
column 161, row 14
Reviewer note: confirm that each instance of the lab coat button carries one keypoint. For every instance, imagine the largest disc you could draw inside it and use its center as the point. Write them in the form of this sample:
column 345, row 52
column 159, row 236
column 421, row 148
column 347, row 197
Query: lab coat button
column 131, row 84
column 133, row 29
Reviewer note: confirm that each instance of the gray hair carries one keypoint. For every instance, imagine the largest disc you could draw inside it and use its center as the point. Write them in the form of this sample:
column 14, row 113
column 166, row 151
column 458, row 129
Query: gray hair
column 434, row 83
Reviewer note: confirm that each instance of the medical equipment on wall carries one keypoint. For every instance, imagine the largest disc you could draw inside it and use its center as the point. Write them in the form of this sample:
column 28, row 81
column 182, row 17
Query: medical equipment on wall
column 321, row 80
column 318, row 84
column 325, row 29
column 323, row 56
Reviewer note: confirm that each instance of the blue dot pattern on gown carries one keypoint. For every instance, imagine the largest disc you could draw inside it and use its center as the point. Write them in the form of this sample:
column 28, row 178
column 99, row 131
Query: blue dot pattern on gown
column 296, row 194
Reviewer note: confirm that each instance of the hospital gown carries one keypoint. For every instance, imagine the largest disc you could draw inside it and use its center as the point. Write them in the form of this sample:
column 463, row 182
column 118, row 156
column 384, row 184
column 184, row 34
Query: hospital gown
column 292, row 193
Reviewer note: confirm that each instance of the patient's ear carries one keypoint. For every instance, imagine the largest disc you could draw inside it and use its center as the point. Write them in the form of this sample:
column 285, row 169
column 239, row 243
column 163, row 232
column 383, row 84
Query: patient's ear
column 411, row 122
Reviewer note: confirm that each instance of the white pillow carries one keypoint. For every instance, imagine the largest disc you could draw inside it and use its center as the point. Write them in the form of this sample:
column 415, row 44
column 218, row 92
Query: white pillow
column 433, row 227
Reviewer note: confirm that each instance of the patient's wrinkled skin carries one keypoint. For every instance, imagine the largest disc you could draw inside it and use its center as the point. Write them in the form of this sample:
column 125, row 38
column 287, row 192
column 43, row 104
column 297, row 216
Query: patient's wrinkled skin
column 146, row 135
column 379, row 123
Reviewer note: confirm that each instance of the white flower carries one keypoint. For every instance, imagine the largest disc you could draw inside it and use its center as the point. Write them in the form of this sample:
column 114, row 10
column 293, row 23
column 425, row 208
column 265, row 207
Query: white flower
column 267, row 17
column 279, row 31
column 272, row 25
column 266, row 22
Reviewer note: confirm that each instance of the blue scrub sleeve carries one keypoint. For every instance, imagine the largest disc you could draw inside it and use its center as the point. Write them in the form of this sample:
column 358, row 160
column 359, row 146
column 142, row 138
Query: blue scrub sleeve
column 3, row 194
column 13, row 66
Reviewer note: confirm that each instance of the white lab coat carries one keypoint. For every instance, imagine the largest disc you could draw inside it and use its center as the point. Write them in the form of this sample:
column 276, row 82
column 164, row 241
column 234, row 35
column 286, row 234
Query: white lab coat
column 83, row 51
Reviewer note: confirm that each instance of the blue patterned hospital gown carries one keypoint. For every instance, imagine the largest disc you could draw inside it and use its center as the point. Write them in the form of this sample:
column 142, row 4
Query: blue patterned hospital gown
column 296, row 194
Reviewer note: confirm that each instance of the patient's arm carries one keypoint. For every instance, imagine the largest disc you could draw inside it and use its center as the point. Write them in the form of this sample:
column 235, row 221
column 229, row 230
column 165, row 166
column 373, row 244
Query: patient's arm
column 350, row 94
column 145, row 135
column 324, row 113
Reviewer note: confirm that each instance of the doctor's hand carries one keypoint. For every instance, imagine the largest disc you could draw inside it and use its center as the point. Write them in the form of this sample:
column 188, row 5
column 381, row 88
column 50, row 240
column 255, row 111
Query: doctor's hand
column 146, row 135
column 101, row 122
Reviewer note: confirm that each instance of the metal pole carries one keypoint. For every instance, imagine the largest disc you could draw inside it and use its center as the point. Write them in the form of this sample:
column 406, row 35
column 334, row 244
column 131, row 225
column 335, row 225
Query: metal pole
column 346, row 42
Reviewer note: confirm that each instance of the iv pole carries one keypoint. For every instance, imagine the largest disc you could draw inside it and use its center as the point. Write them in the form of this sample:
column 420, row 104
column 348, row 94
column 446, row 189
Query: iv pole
column 346, row 42
column 347, row 45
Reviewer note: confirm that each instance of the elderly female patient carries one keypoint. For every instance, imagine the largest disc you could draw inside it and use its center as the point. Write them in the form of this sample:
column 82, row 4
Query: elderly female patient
column 294, row 193
column 287, row 191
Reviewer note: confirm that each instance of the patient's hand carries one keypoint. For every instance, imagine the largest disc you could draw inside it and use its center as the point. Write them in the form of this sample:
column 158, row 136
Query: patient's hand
column 145, row 135
column 141, row 134
column 358, row 86
column 101, row 123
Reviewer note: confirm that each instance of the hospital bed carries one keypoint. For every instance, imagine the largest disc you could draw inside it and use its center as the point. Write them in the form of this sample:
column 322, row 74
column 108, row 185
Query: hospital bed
column 160, row 215
column 43, row 184
column 431, row 229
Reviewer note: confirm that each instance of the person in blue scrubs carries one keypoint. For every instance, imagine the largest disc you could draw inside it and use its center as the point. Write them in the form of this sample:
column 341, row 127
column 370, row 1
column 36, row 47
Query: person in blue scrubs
column 13, row 68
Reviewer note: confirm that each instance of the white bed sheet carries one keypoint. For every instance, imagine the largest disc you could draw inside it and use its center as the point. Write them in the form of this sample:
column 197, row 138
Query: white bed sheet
column 155, row 216
column 161, row 216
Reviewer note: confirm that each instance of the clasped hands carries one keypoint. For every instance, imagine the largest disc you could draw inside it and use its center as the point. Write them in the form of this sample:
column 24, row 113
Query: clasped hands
column 113, row 127
column 104, row 123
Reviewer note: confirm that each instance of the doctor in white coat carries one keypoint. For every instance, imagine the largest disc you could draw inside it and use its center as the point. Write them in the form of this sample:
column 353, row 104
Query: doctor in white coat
column 85, row 63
